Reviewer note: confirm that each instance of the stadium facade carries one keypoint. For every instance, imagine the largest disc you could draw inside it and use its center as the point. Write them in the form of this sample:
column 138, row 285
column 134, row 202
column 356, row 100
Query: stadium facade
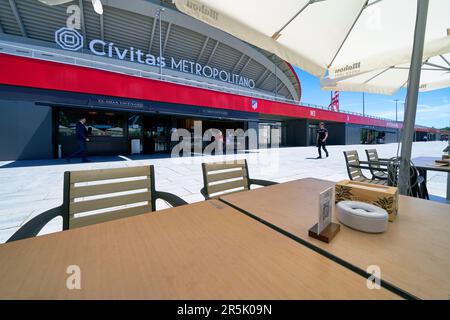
column 137, row 77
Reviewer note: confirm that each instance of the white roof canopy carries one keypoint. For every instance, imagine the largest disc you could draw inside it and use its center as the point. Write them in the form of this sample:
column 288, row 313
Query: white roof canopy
column 344, row 37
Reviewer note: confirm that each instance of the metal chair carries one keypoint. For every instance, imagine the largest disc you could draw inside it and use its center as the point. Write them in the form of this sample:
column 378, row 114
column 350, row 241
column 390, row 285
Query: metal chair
column 375, row 164
column 226, row 177
column 417, row 187
column 354, row 169
column 90, row 191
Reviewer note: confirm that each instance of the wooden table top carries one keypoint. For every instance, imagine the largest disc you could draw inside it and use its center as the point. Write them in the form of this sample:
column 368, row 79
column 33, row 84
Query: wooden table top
column 205, row 250
column 413, row 254
column 429, row 164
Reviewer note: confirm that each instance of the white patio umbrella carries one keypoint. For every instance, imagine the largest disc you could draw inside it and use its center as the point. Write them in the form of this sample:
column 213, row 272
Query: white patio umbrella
column 340, row 38
column 435, row 74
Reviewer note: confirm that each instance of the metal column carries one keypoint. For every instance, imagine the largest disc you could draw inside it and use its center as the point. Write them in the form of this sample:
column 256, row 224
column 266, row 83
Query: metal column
column 413, row 93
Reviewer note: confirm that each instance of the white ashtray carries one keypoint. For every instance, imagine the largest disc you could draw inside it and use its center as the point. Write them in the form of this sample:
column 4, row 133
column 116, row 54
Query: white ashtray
column 362, row 216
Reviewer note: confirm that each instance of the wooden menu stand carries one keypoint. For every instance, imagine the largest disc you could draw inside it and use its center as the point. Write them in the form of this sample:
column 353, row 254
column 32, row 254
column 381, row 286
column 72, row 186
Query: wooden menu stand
column 327, row 234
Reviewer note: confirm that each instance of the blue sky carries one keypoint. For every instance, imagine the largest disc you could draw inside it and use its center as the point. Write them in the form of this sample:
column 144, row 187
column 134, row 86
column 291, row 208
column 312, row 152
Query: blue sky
column 433, row 107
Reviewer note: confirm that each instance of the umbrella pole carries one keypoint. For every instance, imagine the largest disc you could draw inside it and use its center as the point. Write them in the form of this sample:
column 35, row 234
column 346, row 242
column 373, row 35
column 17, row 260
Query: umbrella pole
column 411, row 99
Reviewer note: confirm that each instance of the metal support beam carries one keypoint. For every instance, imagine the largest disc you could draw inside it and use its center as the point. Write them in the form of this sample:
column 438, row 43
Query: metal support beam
column 152, row 34
column 102, row 27
column 443, row 58
column 19, row 21
column 212, row 52
column 159, row 13
column 261, row 77
column 166, row 37
column 441, row 68
column 83, row 25
column 245, row 65
column 265, row 79
column 412, row 96
column 280, row 86
column 348, row 34
column 203, row 49
column 237, row 63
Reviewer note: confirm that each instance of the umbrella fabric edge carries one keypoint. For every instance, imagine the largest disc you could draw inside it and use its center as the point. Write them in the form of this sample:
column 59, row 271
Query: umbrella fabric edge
column 247, row 34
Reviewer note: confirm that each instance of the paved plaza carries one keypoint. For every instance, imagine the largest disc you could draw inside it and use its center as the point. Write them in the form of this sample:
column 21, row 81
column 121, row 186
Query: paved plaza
column 28, row 188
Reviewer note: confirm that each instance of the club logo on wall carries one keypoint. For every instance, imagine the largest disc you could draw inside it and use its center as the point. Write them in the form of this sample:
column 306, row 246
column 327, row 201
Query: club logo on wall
column 69, row 39
column 254, row 104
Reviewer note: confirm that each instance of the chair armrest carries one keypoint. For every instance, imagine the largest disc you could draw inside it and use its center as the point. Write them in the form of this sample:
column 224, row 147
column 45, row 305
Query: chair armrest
column 373, row 162
column 263, row 183
column 172, row 199
column 359, row 167
column 32, row 227
column 379, row 177
column 368, row 168
column 379, row 162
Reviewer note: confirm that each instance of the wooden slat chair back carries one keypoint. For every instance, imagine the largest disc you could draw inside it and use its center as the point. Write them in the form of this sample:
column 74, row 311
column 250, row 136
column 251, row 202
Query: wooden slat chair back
column 378, row 167
column 372, row 156
column 220, row 178
column 225, row 177
column 93, row 196
column 353, row 163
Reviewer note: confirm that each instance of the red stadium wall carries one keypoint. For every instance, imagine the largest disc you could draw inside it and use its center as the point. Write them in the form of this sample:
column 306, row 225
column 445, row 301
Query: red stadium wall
column 27, row 72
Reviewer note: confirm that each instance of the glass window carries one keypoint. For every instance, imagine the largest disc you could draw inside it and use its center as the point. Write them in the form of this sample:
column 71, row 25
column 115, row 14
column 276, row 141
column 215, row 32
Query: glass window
column 97, row 123
column 134, row 126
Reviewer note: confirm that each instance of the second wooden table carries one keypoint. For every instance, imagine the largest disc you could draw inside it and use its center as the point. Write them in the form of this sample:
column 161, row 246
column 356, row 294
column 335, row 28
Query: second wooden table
column 414, row 253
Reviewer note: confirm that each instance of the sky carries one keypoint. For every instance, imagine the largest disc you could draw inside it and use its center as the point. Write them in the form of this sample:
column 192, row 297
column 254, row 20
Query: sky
column 433, row 108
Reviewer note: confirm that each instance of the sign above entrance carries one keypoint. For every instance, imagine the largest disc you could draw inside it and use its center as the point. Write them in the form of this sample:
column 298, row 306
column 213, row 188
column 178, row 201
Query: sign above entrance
column 118, row 103
column 71, row 39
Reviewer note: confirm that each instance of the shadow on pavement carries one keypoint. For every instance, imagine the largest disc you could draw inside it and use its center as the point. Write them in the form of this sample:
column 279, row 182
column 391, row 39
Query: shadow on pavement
column 96, row 159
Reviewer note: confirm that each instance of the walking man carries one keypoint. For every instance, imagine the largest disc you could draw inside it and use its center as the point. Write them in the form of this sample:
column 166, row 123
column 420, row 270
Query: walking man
column 81, row 136
column 322, row 136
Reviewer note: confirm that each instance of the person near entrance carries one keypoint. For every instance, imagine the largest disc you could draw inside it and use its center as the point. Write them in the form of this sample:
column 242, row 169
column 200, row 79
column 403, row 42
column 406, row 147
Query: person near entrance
column 322, row 136
column 81, row 136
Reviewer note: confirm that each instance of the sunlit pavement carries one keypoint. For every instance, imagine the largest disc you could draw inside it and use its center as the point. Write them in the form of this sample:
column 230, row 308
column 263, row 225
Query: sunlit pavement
column 28, row 188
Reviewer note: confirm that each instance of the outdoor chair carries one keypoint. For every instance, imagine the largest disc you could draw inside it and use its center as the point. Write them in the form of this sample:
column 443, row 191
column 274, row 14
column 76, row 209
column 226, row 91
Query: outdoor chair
column 354, row 169
column 226, row 177
column 417, row 187
column 375, row 164
column 91, row 191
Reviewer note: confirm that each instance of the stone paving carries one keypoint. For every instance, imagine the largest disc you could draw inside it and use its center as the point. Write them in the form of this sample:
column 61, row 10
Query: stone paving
column 28, row 188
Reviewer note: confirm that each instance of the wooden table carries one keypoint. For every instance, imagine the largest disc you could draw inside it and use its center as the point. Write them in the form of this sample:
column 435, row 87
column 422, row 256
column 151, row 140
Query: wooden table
column 428, row 164
column 414, row 254
column 201, row 251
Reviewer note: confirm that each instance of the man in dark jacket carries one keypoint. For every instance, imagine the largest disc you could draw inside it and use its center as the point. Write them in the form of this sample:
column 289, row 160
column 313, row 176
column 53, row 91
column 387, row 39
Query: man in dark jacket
column 81, row 136
column 322, row 136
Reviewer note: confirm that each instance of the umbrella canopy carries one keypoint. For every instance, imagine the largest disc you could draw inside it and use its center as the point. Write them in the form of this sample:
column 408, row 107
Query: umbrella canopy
column 341, row 37
column 435, row 74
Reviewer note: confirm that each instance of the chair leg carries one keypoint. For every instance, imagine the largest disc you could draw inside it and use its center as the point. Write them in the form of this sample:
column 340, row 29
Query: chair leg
column 423, row 185
column 424, row 191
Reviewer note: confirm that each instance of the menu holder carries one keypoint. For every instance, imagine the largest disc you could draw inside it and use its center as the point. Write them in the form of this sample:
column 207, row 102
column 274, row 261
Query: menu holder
column 325, row 230
column 327, row 234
